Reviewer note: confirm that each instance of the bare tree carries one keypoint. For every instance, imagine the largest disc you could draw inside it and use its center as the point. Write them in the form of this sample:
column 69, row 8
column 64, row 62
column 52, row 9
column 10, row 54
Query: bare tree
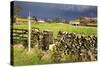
column 17, row 9
column 57, row 19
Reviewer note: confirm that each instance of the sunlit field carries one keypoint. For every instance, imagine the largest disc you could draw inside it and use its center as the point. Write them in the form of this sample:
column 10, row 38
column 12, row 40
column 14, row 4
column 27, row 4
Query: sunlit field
column 55, row 27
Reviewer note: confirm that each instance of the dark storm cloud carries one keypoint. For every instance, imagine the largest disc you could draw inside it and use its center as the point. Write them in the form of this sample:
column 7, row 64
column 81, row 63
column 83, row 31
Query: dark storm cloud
column 47, row 10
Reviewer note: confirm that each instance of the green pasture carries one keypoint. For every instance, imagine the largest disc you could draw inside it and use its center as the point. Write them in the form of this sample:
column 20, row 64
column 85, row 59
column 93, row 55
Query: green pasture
column 55, row 27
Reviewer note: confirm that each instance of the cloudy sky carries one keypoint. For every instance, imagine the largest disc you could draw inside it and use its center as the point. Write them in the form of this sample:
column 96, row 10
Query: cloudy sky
column 48, row 10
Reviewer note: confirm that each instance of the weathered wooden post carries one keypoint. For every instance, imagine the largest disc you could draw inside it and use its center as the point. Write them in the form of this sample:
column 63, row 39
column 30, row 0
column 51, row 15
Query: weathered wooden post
column 29, row 33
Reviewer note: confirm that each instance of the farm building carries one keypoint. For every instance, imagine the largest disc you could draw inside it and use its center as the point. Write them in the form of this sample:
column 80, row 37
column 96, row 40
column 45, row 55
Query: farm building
column 74, row 23
column 40, row 21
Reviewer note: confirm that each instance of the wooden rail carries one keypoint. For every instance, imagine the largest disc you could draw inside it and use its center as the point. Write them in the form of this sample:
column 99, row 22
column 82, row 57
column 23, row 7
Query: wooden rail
column 19, row 35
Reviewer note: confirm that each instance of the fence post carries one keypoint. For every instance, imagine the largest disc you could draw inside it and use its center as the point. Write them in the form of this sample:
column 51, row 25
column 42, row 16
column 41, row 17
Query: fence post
column 29, row 33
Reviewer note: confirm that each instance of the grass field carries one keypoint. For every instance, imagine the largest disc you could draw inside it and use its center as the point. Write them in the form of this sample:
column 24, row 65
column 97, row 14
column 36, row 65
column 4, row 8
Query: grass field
column 37, row 56
column 55, row 27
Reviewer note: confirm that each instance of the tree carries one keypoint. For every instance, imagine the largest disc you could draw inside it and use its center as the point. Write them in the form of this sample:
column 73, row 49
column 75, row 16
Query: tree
column 17, row 9
column 57, row 19
column 34, row 18
column 48, row 20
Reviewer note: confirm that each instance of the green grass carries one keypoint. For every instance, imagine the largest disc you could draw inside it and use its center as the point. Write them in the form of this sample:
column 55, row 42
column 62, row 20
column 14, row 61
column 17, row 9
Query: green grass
column 36, row 56
column 22, row 58
column 55, row 27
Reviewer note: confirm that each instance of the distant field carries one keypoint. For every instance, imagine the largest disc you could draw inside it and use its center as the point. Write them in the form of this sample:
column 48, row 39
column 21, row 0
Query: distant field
column 55, row 27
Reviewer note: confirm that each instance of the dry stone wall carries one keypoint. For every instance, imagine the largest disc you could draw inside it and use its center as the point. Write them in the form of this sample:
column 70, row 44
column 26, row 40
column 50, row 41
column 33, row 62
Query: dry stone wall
column 82, row 46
